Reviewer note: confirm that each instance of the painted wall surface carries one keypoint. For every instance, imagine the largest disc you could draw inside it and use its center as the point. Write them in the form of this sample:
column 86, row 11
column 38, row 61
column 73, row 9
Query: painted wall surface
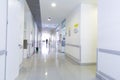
column 81, row 39
column 28, row 32
column 60, row 38
column 73, row 18
column 52, row 39
column 36, row 35
column 88, row 29
column 109, row 30
column 15, row 38
column 73, row 38
column 3, row 22
column 62, row 33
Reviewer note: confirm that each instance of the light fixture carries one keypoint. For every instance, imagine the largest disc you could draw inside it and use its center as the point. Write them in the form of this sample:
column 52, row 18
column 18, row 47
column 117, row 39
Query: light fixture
column 53, row 4
column 49, row 18
column 46, row 73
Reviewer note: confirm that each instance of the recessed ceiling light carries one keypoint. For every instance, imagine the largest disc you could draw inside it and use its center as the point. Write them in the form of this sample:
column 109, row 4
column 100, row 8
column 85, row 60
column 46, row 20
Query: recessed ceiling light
column 46, row 73
column 53, row 4
column 49, row 18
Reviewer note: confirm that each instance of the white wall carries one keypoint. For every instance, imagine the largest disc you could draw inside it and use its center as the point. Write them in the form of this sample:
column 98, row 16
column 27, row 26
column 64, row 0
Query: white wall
column 36, row 35
column 60, row 38
column 109, row 30
column 61, row 32
column 83, row 44
column 52, row 38
column 74, row 39
column 72, row 19
column 15, row 37
column 28, row 31
column 3, row 21
column 88, row 33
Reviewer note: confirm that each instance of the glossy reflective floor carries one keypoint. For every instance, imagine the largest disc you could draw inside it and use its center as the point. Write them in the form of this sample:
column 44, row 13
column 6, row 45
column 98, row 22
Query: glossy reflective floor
column 52, row 65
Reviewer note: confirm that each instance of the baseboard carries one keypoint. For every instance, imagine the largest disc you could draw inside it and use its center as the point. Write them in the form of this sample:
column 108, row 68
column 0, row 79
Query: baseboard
column 102, row 76
column 20, row 67
column 87, row 64
column 72, row 58
column 78, row 61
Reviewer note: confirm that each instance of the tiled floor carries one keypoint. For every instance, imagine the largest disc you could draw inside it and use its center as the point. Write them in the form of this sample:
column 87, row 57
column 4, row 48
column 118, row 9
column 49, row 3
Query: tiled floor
column 51, row 65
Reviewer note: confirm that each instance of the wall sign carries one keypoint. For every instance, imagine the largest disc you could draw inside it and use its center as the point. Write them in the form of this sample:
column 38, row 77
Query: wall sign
column 76, row 26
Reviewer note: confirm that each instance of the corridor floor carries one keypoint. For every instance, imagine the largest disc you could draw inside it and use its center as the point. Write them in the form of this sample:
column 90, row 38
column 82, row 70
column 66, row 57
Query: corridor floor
column 52, row 65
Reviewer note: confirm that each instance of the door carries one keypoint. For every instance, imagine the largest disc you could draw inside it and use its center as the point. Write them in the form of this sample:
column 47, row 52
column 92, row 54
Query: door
column 3, row 38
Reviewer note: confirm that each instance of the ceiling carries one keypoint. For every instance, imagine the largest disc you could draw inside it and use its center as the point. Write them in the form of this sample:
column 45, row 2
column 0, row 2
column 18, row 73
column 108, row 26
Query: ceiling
column 41, row 10
column 34, row 6
column 58, row 13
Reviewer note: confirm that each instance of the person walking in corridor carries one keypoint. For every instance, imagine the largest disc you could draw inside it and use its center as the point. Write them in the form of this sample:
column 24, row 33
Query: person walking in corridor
column 46, row 41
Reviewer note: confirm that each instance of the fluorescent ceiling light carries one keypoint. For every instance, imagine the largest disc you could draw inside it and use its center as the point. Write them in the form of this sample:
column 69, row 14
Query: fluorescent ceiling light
column 53, row 4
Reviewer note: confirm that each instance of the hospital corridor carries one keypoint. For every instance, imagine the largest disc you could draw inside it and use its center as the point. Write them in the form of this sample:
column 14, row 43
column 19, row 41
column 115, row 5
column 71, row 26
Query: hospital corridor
column 52, row 65
column 59, row 40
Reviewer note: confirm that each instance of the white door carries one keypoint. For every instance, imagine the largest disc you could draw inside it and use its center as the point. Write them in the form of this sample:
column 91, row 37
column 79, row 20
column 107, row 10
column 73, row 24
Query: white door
column 3, row 22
